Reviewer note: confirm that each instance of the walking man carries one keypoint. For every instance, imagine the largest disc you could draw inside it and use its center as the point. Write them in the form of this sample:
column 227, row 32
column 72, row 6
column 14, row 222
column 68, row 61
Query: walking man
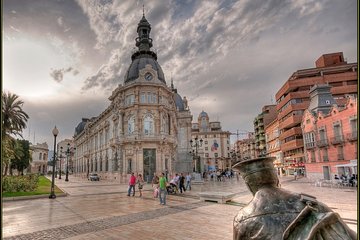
column 162, row 187
column 182, row 183
column 188, row 181
column 132, row 182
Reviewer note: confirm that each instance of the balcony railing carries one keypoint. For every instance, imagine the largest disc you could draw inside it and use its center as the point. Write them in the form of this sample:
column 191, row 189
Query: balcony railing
column 325, row 158
column 340, row 157
column 337, row 140
column 309, row 145
column 322, row 143
column 352, row 136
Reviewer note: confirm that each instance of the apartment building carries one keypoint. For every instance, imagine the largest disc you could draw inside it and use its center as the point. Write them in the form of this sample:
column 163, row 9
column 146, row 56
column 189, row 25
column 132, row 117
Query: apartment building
column 246, row 148
column 267, row 115
column 293, row 98
column 330, row 135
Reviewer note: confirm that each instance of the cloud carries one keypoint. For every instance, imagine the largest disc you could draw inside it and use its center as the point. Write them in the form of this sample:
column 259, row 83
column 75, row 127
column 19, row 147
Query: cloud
column 58, row 74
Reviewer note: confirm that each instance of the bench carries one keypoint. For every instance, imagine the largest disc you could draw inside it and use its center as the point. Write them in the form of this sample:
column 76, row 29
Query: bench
column 219, row 197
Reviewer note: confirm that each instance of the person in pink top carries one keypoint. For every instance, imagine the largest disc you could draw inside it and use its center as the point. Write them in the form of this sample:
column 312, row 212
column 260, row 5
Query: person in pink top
column 132, row 182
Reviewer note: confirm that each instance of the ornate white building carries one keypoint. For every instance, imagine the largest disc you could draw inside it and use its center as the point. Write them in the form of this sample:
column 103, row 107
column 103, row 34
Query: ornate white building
column 214, row 149
column 146, row 128
column 39, row 154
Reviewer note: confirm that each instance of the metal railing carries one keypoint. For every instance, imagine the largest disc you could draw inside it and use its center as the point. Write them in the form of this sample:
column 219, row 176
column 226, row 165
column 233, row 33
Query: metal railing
column 310, row 145
column 322, row 143
column 337, row 139
column 352, row 136
column 340, row 156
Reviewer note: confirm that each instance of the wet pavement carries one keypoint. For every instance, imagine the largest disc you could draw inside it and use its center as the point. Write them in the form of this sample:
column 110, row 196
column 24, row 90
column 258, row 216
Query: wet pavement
column 102, row 210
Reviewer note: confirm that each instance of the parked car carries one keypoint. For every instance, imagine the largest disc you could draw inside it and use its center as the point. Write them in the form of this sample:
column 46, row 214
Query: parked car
column 94, row 177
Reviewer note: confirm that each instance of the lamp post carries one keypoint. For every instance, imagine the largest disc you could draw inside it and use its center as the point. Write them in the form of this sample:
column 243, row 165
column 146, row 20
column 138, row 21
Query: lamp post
column 55, row 132
column 67, row 162
column 60, row 157
column 196, row 144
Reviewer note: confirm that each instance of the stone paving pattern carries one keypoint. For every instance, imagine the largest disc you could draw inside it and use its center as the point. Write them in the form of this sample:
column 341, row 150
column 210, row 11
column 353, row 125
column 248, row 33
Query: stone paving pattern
column 101, row 210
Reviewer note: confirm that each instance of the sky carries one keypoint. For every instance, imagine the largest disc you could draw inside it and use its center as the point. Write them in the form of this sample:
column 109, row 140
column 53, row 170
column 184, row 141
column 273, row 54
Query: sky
column 63, row 58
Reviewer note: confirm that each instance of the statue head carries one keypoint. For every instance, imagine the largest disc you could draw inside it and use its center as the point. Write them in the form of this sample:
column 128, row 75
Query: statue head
column 258, row 173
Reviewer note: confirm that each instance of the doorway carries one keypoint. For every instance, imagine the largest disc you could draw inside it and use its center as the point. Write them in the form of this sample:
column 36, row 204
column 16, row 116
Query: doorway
column 326, row 171
column 149, row 164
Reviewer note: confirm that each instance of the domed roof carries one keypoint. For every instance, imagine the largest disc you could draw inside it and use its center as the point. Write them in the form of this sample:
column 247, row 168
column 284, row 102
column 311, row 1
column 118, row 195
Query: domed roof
column 81, row 126
column 143, row 55
column 203, row 114
column 140, row 63
column 179, row 102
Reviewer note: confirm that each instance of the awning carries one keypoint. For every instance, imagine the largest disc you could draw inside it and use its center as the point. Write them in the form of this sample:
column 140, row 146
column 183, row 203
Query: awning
column 347, row 165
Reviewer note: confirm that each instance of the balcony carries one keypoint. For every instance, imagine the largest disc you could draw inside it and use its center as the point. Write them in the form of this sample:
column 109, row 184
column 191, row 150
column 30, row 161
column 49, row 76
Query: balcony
column 290, row 132
column 293, row 144
column 325, row 158
column 310, row 145
column 352, row 136
column 322, row 143
column 290, row 121
column 337, row 140
column 340, row 156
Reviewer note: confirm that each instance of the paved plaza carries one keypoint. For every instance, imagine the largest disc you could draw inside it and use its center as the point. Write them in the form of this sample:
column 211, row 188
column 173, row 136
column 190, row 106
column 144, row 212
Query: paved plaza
column 102, row 210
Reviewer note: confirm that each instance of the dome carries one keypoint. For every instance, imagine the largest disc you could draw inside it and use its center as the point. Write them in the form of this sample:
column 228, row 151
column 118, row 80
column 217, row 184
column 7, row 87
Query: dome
column 81, row 126
column 179, row 102
column 203, row 114
column 139, row 63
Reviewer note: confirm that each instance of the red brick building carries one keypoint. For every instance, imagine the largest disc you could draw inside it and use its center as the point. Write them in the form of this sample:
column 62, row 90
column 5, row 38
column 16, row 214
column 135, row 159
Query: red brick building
column 330, row 135
column 293, row 98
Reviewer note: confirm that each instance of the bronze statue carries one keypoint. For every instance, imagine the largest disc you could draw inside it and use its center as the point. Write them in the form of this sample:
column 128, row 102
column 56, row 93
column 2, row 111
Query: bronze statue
column 275, row 213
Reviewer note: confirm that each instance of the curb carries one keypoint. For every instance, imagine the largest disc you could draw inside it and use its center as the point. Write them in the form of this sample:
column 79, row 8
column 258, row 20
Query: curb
column 8, row 199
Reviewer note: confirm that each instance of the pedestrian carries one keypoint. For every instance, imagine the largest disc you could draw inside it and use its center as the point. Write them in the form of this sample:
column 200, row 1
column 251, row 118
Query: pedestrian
column 182, row 182
column 295, row 175
column 140, row 182
column 162, row 188
column 155, row 185
column 188, row 181
column 132, row 182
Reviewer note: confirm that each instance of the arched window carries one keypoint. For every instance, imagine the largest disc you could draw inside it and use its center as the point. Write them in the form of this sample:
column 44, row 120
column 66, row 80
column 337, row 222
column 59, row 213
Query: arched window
column 40, row 156
column 148, row 125
column 131, row 124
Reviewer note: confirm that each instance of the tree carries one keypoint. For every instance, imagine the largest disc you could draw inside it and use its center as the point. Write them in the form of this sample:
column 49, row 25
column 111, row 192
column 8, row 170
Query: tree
column 13, row 117
column 13, row 121
column 22, row 156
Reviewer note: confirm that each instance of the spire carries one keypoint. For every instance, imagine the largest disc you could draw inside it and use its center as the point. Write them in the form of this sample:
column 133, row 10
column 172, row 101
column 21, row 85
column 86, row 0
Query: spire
column 143, row 11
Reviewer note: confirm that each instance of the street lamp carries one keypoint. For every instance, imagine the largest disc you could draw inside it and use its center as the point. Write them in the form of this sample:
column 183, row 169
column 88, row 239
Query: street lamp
column 67, row 161
column 196, row 144
column 60, row 157
column 55, row 132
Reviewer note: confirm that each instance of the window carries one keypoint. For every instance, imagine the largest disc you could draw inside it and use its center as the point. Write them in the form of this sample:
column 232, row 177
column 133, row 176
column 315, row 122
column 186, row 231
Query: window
column 142, row 98
column 40, row 156
column 340, row 151
column 148, row 125
column 206, row 142
column 325, row 155
column 206, row 155
column 131, row 124
column 206, row 148
column 130, row 99
column 312, row 156
column 353, row 125
column 216, row 154
column 129, row 168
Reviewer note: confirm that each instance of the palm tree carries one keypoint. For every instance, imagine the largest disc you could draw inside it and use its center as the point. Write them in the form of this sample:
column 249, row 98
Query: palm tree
column 13, row 117
column 13, row 121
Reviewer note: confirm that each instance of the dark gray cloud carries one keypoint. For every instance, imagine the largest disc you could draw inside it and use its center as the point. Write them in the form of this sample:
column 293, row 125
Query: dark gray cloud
column 58, row 74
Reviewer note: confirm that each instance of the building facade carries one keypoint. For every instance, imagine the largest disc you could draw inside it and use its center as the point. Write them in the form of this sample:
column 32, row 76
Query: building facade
column 145, row 129
column 245, row 148
column 293, row 98
column 273, row 147
column 39, row 154
column 330, row 135
column 267, row 115
column 214, row 150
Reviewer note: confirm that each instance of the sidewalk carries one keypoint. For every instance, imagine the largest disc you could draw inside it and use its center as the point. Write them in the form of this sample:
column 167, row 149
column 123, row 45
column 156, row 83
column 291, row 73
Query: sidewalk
column 101, row 210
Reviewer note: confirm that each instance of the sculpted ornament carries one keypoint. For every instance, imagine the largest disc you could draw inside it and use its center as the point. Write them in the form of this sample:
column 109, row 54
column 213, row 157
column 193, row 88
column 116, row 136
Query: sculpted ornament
column 275, row 213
